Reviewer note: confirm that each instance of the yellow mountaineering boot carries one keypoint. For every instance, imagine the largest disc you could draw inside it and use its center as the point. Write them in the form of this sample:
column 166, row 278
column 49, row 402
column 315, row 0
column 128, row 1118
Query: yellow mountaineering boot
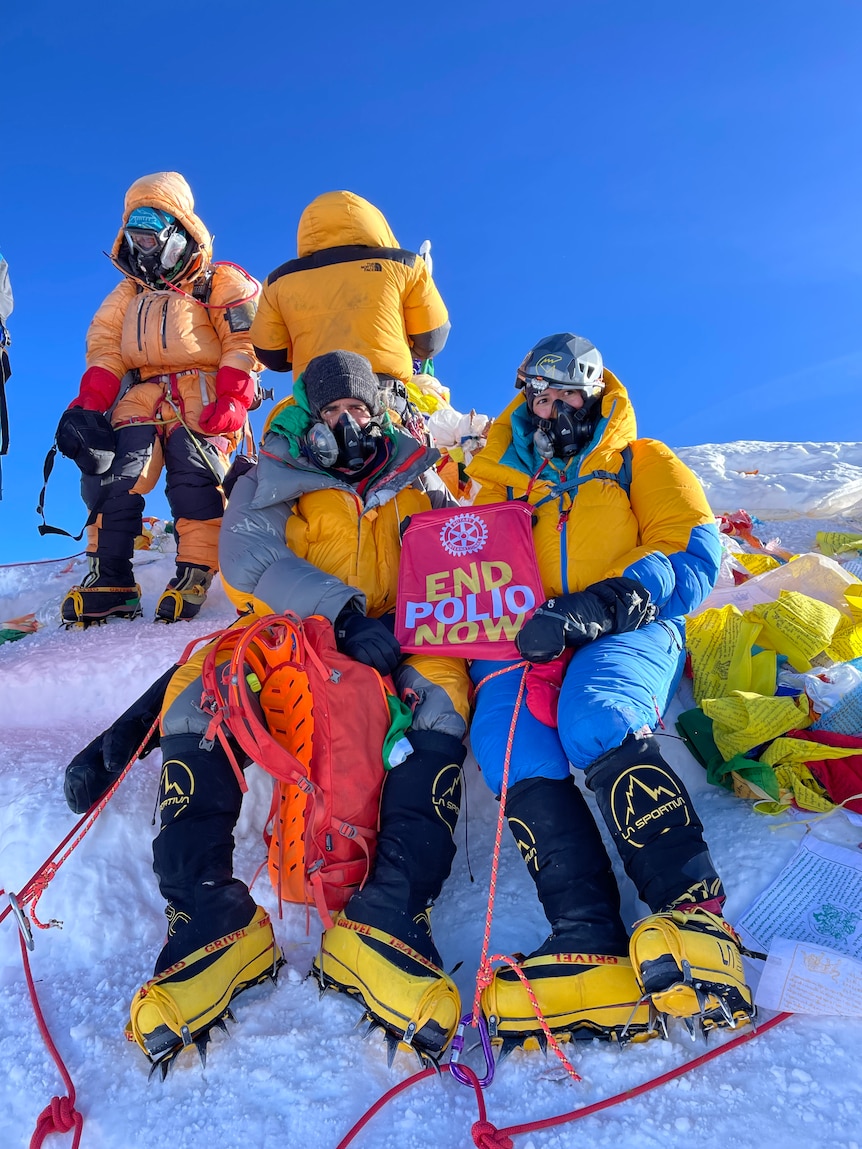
column 580, row 976
column 177, row 1007
column 410, row 996
column 580, row 996
column 218, row 941
column 689, row 963
column 380, row 949
column 686, row 957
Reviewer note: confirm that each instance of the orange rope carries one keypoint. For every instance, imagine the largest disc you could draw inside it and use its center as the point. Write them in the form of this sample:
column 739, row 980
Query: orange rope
column 485, row 973
column 540, row 1017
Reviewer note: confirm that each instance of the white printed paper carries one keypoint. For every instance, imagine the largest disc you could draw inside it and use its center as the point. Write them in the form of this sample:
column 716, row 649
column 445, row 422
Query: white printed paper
column 817, row 898
column 802, row 978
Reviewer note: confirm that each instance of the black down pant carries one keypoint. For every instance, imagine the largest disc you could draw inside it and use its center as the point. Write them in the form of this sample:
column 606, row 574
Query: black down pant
column 192, row 487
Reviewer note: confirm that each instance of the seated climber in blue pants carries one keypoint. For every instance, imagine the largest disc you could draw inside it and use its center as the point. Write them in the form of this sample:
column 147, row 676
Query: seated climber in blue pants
column 626, row 545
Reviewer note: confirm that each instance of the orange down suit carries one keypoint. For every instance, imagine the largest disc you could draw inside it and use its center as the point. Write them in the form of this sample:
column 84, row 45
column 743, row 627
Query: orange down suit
column 173, row 342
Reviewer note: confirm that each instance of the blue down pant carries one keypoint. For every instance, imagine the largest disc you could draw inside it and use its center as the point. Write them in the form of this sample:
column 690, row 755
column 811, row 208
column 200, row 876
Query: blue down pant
column 612, row 688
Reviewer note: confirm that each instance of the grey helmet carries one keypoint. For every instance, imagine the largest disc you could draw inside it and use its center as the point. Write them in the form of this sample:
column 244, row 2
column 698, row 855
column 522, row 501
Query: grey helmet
column 564, row 360
column 571, row 363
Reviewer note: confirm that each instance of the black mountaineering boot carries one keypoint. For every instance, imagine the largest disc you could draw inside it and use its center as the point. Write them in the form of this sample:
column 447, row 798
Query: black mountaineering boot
column 219, row 942
column 184, row 595
column 581, row 975
column 108, row 590
column 687, row 958
column 380, row 948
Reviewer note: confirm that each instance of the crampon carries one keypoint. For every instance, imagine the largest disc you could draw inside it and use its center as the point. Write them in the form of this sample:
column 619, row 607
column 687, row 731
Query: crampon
column 581, row 997
column 86, row 606
column 414, row 1003
column 181, row 1006
column 688, row 964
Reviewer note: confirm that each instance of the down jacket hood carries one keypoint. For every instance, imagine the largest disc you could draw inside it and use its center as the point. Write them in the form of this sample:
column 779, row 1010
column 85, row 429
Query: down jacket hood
column 170, row 192
column 342, row 219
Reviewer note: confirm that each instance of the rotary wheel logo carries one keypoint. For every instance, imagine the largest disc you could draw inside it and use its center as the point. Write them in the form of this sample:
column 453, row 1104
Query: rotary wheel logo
column 464, row 535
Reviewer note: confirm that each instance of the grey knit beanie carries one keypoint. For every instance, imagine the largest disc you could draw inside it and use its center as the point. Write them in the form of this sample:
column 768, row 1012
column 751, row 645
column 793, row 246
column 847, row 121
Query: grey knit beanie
column 340, row 375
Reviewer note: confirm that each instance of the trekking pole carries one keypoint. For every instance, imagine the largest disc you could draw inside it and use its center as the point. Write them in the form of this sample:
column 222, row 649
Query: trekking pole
column 427, row 365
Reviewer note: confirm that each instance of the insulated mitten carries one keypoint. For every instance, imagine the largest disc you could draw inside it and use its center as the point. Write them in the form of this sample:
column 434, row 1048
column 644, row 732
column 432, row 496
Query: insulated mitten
column 612, row 606
column 367, row 640
column 234, row 395
column 98, row 389
column 87, row 438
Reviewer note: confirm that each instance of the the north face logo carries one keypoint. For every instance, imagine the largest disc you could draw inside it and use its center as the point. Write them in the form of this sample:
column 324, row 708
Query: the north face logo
column 372, row 266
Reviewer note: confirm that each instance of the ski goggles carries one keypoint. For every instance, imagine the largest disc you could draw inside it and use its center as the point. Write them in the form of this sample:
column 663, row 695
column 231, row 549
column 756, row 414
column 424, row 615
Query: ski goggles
column 144, row 240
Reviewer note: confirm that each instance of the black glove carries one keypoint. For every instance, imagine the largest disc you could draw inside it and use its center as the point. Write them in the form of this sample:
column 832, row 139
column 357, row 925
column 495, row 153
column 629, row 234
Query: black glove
column 367, row 640
column 612, row 606
column 88, row 439
column 92, row 772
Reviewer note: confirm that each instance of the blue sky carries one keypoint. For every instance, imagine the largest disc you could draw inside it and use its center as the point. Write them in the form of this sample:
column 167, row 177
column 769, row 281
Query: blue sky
column 680, row 182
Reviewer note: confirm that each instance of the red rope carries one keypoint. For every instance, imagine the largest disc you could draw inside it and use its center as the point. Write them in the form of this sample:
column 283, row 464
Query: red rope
column 60, row 1116
column 486, row 1135
column 41, row 562
column 653, row 1083
column 537, row 1010
column 36, row 886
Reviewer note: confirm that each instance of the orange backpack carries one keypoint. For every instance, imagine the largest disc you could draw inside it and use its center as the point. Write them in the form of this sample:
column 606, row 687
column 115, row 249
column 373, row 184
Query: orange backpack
column 326, row 720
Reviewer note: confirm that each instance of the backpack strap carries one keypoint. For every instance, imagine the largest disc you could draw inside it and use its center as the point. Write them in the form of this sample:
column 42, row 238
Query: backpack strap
column 233, row 708
column 624, row 474
column 623, row 477
column 45, row 527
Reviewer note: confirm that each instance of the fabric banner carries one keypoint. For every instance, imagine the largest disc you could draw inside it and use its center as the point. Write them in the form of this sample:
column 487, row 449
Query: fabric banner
column 467, row 582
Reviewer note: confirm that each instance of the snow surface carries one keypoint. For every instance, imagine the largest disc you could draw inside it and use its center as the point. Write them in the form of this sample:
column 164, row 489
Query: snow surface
column 295, row 1071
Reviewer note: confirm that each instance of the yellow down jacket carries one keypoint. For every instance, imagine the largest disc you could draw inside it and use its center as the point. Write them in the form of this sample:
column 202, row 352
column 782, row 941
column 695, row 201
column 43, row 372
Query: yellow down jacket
column 351, row 289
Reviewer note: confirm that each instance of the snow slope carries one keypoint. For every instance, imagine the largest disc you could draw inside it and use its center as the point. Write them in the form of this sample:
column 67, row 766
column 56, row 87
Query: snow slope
column 295, row 1071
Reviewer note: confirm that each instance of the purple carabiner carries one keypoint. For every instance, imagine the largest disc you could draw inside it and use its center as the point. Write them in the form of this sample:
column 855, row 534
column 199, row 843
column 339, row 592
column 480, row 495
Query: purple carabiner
column 458, row 1049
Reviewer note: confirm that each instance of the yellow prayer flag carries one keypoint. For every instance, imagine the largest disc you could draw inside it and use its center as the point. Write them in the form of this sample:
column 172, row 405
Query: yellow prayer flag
column 796, row 626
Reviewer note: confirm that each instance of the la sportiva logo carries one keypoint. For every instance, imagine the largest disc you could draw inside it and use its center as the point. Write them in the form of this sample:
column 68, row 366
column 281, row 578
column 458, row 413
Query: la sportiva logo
column 176, row 786
column 645, row 801
column 446, row 795
column 526, row 843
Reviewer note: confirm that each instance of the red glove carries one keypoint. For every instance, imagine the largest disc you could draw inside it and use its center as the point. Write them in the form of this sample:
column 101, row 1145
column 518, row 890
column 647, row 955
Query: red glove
column 234, row 393
column 99, row 388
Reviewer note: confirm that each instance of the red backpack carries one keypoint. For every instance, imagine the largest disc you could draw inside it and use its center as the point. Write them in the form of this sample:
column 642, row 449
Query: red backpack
column 326, row 720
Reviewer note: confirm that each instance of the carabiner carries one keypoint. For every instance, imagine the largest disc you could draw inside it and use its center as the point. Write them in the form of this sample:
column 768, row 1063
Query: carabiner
column 23, row 924
column 458, row 1049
